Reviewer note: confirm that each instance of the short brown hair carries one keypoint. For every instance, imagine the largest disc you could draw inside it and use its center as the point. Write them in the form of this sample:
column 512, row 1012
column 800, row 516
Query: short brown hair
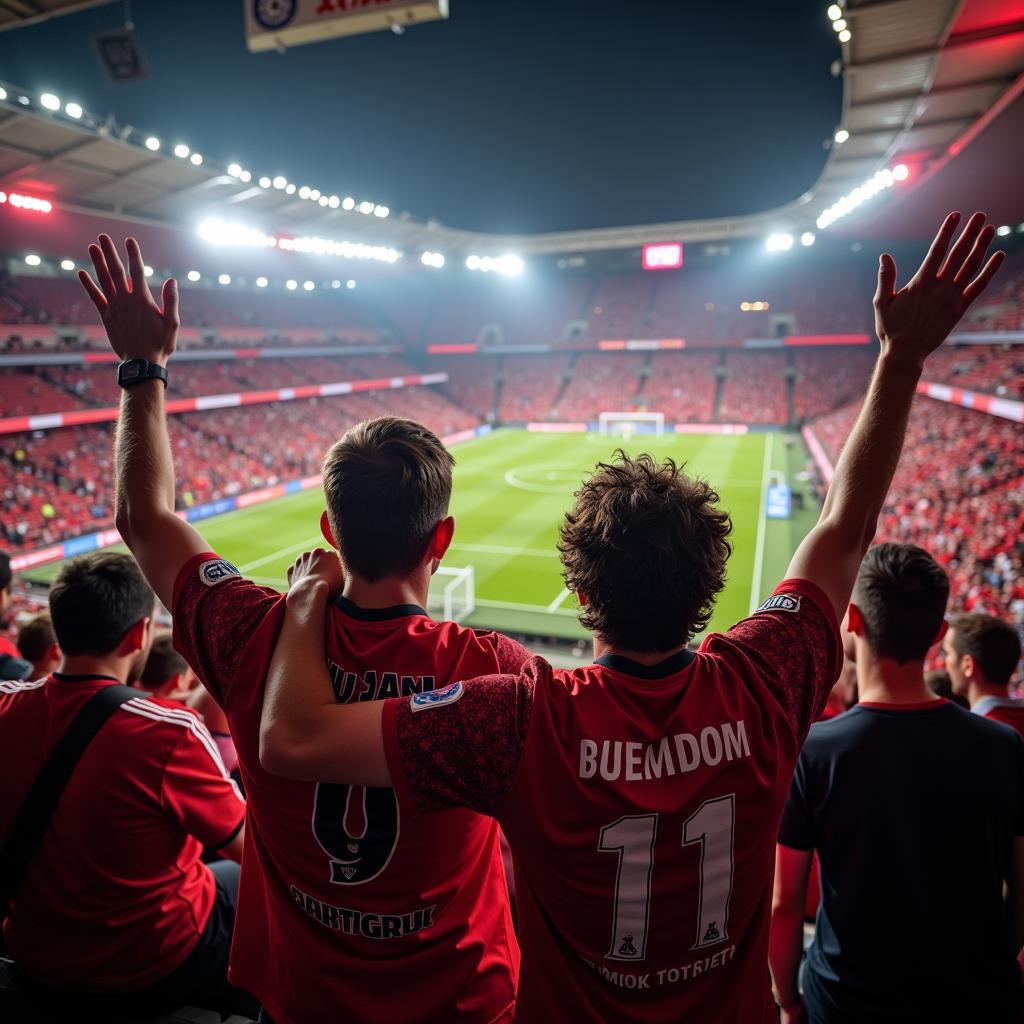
column 387, row 483
column 162, row 662
column 95, row 599
column 647, row 546
column 993, row 644
column 901, row 592
column 36, row 637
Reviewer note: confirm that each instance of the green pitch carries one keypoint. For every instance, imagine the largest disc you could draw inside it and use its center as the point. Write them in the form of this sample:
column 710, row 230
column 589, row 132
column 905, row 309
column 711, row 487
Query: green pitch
column 511, row 490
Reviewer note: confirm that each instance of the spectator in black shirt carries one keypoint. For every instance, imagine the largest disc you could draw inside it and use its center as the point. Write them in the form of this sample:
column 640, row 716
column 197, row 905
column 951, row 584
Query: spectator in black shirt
column 916, row 810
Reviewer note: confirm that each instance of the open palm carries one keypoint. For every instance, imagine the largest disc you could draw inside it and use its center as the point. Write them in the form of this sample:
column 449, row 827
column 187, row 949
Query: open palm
column 916, row 320
column 136, row 326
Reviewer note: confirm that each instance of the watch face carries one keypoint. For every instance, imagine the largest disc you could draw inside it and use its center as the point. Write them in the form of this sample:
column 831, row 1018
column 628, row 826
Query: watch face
column 131, row 370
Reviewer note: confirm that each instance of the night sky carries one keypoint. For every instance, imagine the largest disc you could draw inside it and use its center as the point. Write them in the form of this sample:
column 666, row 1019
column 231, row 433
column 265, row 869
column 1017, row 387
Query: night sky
column 512, row 116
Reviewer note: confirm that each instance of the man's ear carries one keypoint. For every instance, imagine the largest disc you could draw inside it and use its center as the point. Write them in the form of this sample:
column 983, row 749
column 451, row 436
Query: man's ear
column 941, row 633
column 441, row 538
column 967, row 664
column 325, row 529
column 135, row 639
column 854, row 622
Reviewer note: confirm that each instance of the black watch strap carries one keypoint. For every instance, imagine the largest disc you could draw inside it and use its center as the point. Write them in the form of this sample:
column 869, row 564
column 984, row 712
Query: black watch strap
column 135, row 371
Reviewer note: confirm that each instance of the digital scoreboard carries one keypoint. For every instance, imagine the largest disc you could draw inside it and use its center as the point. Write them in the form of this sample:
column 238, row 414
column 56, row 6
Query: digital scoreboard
column 663, row 256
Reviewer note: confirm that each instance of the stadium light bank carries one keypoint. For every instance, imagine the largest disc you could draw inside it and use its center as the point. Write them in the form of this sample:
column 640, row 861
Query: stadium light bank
column 508, row 265
column 878, row 182
column 219, row 232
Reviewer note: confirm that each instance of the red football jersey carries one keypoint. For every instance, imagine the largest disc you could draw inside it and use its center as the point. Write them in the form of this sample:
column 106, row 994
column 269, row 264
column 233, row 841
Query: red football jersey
column 116, row 896
column 642, row 804
column 1002, row 709
column 350, row 907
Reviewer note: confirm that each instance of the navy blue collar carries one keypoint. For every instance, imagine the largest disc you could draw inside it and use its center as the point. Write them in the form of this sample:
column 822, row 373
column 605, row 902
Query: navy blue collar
column 660, row 670
column 398, row 611
column 64, row 678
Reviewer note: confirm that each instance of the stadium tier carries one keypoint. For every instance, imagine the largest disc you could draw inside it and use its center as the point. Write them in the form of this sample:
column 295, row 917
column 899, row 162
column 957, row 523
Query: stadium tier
column 959, row 492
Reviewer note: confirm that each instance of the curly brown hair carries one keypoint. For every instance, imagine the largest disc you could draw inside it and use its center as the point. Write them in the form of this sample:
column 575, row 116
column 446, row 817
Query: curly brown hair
column 646, row 546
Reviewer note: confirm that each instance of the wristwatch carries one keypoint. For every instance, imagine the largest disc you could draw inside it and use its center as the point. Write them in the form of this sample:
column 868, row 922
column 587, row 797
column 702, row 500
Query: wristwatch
column 135, row 371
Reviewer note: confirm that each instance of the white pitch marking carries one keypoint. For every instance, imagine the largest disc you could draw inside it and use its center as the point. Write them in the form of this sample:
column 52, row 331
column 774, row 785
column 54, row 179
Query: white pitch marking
column 553, row 607
column 762, row 527
column 499, row 549
column 303, row 545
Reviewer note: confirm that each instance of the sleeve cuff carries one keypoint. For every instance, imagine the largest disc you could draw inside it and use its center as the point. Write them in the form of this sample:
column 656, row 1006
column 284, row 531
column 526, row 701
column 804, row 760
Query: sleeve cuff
column 231, row 837
column 179, row 584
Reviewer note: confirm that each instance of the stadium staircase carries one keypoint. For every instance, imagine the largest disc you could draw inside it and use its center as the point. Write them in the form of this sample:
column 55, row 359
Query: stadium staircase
column 720, row 379
column 499, row 387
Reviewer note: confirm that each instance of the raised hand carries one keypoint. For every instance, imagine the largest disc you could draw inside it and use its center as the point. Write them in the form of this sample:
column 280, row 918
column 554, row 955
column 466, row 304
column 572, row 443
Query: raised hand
column 318, row 566
column 914, row 321
column 136, row 326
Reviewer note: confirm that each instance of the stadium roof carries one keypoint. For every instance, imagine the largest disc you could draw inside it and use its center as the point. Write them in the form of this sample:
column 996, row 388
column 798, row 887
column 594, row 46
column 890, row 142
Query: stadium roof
column 922, row 80
column 16, row 13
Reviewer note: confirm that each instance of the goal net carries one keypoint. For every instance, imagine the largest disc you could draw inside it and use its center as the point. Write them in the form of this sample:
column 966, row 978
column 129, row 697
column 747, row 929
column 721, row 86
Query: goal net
column 626, row 424
column 452, row 594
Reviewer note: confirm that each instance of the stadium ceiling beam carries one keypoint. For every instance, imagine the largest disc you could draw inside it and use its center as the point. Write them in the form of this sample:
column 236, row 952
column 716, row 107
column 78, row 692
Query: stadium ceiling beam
column 945, row 90
column 980, row 35
column 39, row 161
column 867, row 133
column 28, row 12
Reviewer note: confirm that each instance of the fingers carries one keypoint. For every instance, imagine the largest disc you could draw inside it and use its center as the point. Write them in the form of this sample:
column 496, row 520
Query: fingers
column 137, row 269
column 959, row 253
column 939, row 246
column 93, row 291
column 977, row 254
column 886, row 279
column 169, row 301
column 980, row 283
column 99, row 263
column 114, row 263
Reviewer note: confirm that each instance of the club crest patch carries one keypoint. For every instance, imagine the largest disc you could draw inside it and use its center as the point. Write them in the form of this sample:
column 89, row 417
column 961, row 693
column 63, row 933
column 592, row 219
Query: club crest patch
column 216, row 571
column 781, row 603
column 436, row 698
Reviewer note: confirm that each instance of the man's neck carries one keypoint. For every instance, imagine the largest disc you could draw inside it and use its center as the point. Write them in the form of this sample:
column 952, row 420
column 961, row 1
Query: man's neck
column 977, row 691
column 888, row 682
column 601, row 649
column 88, row 665
column 388, row 592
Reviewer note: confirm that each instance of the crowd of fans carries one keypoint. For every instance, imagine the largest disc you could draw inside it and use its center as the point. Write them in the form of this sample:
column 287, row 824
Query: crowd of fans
column 959, row 491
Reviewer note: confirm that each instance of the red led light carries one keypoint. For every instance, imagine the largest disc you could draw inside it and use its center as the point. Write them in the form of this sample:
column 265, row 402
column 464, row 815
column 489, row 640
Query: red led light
column 23, row 202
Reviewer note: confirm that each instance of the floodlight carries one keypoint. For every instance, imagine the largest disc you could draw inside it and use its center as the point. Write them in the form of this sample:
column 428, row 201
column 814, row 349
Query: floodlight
column 807, row 238
column 196, row 158
column 308, row 285
column 194, row 275
column 181, row 150
column 289, row 189
column 246, row 176
column 73, row 110
column 350, row 284
column 834, row 12
column 304, row 192
column 1003, row 230
column 291, row 285
column 841, row 136
column 845, row 36
column 152, row 143
column 264, row 182
column 224, row 279
column 901, row 172
column 779, row 241
column 49, row 101
column 147, row 270
column 839, row 24
column 334, row 202
column 261, row 282
column 33, row 260
column 280, row 181
column 3, row 93
column 67, row 264
column 235, row 170
column 348, row 203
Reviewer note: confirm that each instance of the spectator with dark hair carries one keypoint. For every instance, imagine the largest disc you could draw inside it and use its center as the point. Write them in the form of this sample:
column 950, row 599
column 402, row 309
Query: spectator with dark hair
column 941, row 685
column 12, row 664
column 115, row 910
column 982, row 654
column 169, row 677
column 37, row 643
column 166, row 673
column 904, row 797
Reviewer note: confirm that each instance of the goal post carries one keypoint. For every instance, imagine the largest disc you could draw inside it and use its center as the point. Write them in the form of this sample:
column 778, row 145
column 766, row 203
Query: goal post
column 452, row 593
column 626, row 424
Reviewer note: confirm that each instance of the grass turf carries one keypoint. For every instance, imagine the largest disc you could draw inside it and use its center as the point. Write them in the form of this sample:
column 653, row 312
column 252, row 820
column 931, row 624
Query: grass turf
column 511, row 489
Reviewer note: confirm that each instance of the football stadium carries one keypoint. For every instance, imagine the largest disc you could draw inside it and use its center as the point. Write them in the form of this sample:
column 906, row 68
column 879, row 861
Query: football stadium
column 651, row 363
